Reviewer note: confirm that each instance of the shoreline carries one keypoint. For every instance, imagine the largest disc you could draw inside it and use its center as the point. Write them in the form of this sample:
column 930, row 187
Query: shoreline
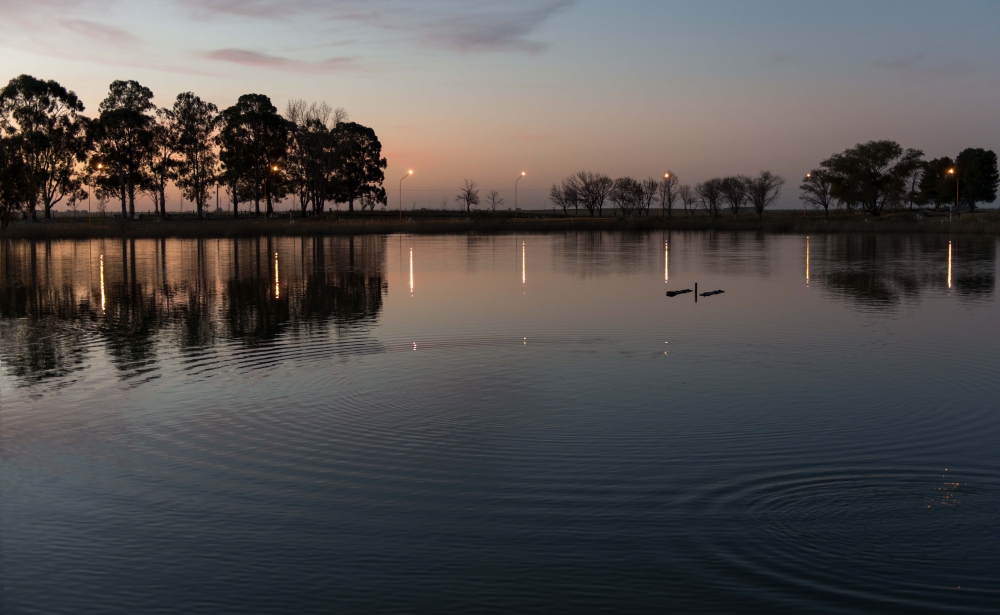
column 783, row 222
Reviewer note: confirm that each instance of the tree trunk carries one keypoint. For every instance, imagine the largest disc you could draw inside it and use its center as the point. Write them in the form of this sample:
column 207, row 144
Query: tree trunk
column 121, row 178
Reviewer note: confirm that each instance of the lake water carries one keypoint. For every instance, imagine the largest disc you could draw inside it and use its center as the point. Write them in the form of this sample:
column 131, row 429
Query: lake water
column 452, row 424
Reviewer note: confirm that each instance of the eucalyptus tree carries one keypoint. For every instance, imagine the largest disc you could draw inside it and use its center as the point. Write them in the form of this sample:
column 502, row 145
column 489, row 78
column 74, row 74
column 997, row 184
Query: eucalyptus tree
column 197, row 123
column 763, row 191
column 253, row 145
column 710, row 195
column 594, row 190
column 977, row 177
column 668, row 192
column 566, row 195
column 734, row 192
column 872, row 174
column 123, row 138
column 360, row 167
column 15, row 187
column 43, row 120
column 162, row 158
column 688, row 197
column 468, row 195
column 817, row 191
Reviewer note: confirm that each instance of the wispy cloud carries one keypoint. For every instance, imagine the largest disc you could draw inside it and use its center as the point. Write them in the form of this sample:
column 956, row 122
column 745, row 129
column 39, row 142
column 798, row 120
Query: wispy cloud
column 258, row 59
column 99, row 31
column 462, row 25
column 901, row 63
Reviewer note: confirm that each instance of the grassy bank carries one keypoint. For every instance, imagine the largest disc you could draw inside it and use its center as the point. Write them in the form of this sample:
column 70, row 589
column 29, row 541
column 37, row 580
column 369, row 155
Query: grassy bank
column 449, row 223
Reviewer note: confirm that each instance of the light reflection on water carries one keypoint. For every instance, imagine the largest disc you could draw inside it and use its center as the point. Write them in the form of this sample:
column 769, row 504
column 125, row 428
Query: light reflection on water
column 208, row 442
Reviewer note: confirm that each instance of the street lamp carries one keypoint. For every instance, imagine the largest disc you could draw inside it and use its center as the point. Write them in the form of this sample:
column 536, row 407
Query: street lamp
column 951, row 171
column 515, row 192
column 808, row 175
column 408, row 173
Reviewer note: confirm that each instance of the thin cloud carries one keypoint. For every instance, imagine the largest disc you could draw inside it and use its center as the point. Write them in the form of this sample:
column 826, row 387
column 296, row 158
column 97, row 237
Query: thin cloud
column 903, row 63
column 458, row 25
column 98, row 31
column 246, row 57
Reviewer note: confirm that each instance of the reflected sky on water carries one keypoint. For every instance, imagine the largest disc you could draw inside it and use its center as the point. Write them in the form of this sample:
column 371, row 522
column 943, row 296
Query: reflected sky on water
column 501, row 424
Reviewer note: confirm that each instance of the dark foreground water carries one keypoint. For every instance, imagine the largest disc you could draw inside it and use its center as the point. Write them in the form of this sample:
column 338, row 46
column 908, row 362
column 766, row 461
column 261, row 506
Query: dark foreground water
column 501, row 424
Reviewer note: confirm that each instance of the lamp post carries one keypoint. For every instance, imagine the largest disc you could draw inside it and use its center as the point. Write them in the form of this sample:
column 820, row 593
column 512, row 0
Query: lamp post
column 408, row 173
column 515, row 192
column 666, row 178
column 951, row 171
column 808, row 175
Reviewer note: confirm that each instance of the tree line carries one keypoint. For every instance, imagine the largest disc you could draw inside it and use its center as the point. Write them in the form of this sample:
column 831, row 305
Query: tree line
column 881, row 175
column 632, row 197
column 51, row 153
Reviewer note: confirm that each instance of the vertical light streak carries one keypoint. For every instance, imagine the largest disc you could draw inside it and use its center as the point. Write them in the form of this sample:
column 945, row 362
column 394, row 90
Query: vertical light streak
column 277, row 280
column 666, row 261
column 807, row 261
column 411, row 272
column 103, row 298
column 524, row 269
column 949, row 264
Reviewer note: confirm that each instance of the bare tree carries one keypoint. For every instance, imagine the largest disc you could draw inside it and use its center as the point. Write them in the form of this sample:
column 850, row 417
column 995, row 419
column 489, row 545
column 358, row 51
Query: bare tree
column 688, row 197
column 468, row 195
column 626, row 196
column 650, row 187
column 817, row 190
column 566, row 195
column 764, row 190
column 668, row 192
column 493, row 200
column 594, row 190
column 734, row 192
column 710, row 194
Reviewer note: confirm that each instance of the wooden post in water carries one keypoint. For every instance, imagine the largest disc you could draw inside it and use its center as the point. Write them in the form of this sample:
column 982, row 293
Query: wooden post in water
column 696, row 292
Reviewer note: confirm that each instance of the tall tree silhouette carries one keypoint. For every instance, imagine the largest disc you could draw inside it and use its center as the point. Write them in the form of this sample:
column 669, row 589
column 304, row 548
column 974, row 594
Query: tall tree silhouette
column 197, row 122
column 977, row 177
column 123, row 138
column 360, row 167
column 14, row 182
column 312, row 156
column 162, row 158
column 51, row 139
column 254, row 141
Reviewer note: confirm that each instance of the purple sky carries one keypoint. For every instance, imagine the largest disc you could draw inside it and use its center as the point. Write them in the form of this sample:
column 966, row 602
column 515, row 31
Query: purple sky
column 459, row 89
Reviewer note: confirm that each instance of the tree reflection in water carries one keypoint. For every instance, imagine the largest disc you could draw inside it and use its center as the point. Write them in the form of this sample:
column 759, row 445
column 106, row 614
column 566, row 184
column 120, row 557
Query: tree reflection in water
column 186, row 294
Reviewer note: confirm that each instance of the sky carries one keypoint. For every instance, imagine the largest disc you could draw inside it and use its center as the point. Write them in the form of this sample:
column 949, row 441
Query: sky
column 461, row 89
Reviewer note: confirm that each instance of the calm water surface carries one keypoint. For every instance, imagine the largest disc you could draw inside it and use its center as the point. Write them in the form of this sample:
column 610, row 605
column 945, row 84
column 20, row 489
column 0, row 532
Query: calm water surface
column 501, row 424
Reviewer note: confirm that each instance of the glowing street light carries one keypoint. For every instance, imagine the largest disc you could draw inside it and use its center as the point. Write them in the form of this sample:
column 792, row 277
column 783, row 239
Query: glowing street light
column 408, row 173
column 515, row 192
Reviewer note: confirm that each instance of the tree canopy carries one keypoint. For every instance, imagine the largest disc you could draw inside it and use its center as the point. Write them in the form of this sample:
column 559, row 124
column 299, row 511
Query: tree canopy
column 872, row 175
column 977, row 177
column 43, row 119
